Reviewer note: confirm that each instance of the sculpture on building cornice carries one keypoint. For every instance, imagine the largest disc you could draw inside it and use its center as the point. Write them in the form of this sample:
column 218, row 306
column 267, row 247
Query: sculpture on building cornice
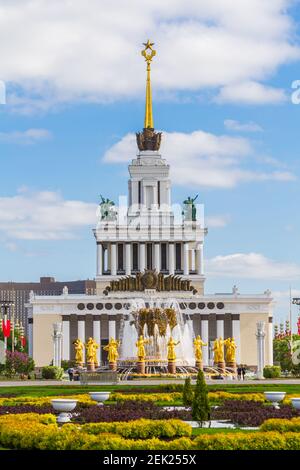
column 189, row 210
column 107, row 209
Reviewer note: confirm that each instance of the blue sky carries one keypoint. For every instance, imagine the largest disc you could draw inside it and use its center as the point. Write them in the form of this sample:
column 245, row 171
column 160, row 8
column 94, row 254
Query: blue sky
column 75, row 95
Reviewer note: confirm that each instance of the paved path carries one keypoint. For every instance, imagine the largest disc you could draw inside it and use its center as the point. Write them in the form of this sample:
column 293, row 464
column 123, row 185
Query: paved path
column 44, row 383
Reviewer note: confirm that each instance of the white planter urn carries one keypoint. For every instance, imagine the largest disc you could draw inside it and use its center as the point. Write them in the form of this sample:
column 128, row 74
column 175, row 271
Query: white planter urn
column 99, row 397
column 65, row 406
column 275, row 397
column 296, row 403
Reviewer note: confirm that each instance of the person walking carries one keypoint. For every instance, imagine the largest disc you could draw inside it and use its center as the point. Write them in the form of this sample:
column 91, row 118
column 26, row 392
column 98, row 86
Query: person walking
column 243, row 372
column 70, row 372
column 239, row 372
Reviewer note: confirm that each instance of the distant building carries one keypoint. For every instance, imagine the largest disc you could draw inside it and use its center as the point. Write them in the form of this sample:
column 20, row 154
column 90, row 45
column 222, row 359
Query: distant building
column 18, row 292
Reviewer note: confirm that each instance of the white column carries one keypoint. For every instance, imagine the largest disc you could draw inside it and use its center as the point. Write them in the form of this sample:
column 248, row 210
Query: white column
column 97, row 337
column 99, row 259
column 186, row 267
column 128, row 259
column 112, row 329
column 220, row 328
column 142, row 257
column 270, row 332
column 236, row 334
column 260, row 336
column 157, row 257
column 113, row 259
column 66, row 340
column 200, row 259
column 30, row 339
column 193, row 260
column 81, row 333
column 204, row 335
column 171, row 258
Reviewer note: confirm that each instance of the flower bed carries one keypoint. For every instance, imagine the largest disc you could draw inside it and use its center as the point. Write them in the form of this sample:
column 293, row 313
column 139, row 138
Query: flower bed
column 128, row 411
column 251, row 413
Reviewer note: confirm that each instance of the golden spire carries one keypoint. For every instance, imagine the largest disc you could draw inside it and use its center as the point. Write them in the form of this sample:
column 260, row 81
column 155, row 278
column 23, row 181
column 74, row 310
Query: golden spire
column 149, row 123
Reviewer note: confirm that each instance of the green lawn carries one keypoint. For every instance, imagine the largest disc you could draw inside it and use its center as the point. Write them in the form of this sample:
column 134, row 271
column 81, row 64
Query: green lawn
column 51, row 390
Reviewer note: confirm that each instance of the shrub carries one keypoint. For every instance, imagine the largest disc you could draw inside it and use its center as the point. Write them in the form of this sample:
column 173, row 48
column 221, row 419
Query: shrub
column 200, row 406
column 141, row 429
column 241, row 441
column 149, row 397
column 52, row 372
column 18, row 363
column 281, row 425
column 67, row 364
column 272, row 372
column 188, row 395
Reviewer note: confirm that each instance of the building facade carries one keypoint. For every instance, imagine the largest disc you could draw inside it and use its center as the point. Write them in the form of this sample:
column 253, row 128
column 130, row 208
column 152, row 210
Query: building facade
column 18, row 293
column 150, row 250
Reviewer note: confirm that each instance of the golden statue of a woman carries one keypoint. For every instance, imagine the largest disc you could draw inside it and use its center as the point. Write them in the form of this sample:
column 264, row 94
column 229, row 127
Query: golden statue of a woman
column 90, row 351
column 171, row 349
column 198, row 343
column 112, row 349
column 96, row 346
column 78, row 346
column 218, row 350
column 230, row 350
column 140, row 344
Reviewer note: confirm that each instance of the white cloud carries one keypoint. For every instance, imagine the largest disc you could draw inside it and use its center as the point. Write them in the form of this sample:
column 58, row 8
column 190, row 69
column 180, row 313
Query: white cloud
column 43, row 215
column 217, row 221
column 65, row 51
column 252, row 93
column 251, row 266
column 201, row 159
column 236, row 126
column 30, row 136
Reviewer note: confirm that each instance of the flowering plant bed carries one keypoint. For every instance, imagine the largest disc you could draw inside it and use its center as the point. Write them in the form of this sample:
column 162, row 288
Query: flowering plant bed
column 251, row 413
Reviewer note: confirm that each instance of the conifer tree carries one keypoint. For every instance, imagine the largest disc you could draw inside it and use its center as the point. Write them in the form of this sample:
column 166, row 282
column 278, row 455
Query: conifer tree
column 200, row 407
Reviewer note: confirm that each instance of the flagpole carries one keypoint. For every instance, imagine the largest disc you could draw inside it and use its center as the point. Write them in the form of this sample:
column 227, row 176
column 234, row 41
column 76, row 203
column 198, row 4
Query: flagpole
column 291, row 325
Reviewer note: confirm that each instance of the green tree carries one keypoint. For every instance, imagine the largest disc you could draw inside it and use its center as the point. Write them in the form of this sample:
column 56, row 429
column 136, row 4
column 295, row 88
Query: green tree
column 282, row 351
column 200, row 406
column 188, row 395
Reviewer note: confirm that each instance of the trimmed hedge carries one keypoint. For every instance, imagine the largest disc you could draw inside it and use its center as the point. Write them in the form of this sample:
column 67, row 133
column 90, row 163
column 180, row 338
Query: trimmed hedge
column 281, row 425
column 272, row 372
column 52, row 372
column 34, row 431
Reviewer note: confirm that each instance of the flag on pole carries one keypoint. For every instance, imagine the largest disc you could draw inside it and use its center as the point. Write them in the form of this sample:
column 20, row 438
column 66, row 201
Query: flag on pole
column 6, row 326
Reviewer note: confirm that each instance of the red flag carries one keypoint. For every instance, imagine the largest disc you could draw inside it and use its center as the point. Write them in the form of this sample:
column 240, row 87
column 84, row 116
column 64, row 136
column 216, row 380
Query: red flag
column 6, row 328
column 23, row 341
column 298, row 324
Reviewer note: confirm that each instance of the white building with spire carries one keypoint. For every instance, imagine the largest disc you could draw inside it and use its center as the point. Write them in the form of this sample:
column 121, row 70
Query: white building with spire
column 149, row 249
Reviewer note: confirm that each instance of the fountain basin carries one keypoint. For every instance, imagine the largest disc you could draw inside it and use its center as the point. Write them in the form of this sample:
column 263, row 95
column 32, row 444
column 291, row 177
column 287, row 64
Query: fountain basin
column 64, row 406
column 296, row 403
column 99, row 397
column 275, row 397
